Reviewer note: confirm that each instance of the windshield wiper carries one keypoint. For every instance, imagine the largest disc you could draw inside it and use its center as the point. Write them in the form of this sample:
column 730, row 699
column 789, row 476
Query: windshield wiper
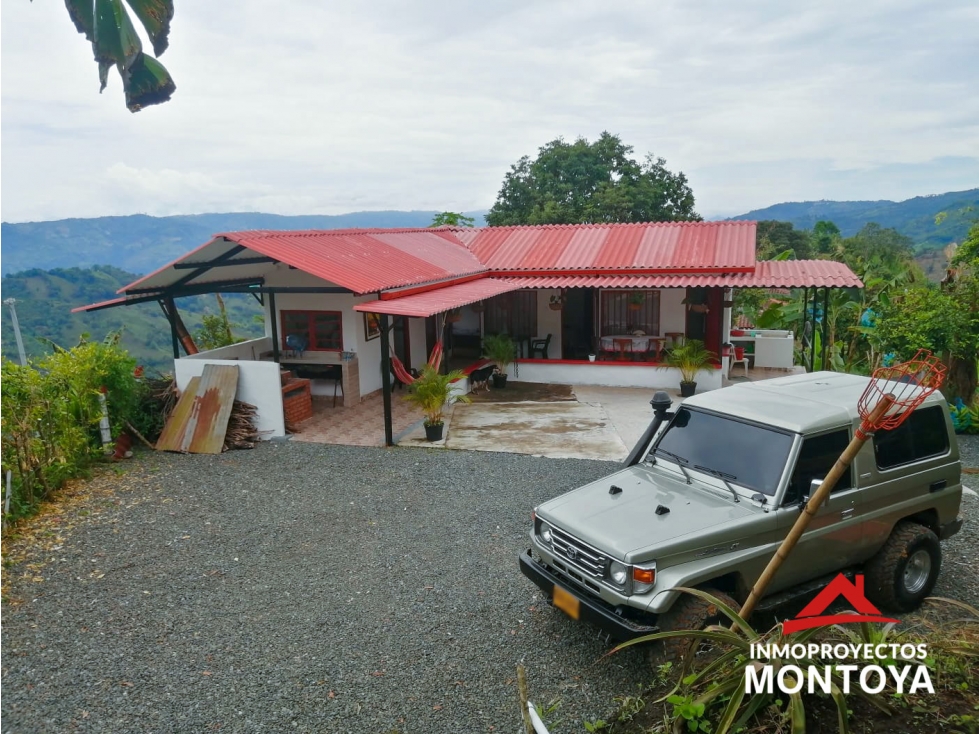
column 680, row 461
column 723, row 476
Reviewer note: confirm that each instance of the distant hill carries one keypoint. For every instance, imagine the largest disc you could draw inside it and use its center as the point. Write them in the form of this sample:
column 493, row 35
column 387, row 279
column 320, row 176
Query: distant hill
column 45, row 299
column 914, row 218
column 140, row 243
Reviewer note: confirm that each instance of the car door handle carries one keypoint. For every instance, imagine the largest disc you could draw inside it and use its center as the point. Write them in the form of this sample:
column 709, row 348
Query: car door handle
column 937, row 486
column 847, row 513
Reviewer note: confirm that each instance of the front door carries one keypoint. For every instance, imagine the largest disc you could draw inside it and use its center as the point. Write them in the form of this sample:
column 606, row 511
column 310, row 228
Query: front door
column 578, row 323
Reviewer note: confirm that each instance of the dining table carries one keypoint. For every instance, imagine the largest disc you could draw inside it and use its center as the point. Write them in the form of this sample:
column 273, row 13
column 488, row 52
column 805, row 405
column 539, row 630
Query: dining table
column 632, row 344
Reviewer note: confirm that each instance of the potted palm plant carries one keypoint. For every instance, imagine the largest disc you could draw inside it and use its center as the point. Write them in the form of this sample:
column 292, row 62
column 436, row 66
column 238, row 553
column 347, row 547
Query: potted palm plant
column 430, row 391
column 690, row 358
column 502, row 350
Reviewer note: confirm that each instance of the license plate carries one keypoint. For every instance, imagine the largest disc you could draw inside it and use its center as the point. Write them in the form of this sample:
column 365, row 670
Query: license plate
column 567, row 603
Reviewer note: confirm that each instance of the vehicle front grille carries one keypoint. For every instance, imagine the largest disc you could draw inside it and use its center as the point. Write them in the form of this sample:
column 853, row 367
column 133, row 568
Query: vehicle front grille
column 572, row 550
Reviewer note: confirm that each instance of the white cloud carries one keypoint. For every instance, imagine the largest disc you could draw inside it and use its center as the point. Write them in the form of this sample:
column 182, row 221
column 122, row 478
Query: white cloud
column 324, row 108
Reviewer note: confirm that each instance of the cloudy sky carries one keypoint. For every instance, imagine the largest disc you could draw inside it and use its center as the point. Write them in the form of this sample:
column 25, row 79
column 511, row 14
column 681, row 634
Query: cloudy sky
column 308, row 107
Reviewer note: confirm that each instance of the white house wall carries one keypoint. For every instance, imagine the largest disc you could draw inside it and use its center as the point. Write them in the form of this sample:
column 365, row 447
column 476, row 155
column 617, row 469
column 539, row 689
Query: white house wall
column 610, row 375
column 672, row 310
column 354, row 340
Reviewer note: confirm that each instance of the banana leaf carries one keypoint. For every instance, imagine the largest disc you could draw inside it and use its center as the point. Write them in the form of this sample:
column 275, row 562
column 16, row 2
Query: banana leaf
column 148, row 83
column 155, row 15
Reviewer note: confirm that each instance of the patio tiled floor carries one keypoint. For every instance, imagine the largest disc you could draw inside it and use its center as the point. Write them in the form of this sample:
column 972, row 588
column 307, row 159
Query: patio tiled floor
column 356, row 425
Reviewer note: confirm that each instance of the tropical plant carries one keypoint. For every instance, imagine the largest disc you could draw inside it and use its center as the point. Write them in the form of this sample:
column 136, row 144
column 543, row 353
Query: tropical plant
column 690, row 358
column 115, row 42
column 452, row 219
column 718, row 687
column 584, row 182
column 51, row 411
column 501, row 349
column 431, row 390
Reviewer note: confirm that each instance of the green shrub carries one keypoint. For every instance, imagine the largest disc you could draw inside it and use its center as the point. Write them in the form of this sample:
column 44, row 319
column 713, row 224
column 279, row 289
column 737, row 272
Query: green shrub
column 51, row 413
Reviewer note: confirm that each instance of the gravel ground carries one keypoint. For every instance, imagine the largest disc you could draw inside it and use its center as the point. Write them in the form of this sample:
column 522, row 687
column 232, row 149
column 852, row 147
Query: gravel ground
column 362, row 590
column 299, row 587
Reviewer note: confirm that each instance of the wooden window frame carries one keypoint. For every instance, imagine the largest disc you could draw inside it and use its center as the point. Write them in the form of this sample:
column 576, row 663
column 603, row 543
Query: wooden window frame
column 310, row 314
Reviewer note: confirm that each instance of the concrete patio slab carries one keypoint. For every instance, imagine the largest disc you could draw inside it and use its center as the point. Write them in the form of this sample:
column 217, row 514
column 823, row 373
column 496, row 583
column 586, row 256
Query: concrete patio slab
column 558, row 430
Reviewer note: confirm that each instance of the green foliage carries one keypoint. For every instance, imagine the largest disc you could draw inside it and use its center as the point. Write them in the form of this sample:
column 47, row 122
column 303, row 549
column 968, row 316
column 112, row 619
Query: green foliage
column 431, row 390
column 967, row 253
column 690, row 358
column 215, row 331
column 501, row 349
column 51, row 411
column 452, row 219
column 773, row 238
column 591, row 182
column 965, row 418
column 45, row 299
column 715, row 692
column 115, row 43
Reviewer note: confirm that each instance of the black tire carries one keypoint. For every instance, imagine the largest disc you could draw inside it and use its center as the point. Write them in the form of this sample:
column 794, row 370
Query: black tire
column 690, row 612
column 905, row 569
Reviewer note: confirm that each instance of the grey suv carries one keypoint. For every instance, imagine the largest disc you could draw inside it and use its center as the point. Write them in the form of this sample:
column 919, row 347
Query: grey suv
column 713, row 487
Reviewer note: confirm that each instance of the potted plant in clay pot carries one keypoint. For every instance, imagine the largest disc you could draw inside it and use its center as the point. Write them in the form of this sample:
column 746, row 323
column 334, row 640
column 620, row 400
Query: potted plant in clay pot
column 690, row 358
column 502, row 350
column 556, row 302
column 430, row 392
column 636, row 301
column 453, row 316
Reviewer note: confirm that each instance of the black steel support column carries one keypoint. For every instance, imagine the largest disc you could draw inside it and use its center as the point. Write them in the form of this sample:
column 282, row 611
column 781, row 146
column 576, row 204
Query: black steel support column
column 168, row 307
column 805, row 323
column 275, row 328
column 825, row 326
column 386, row 379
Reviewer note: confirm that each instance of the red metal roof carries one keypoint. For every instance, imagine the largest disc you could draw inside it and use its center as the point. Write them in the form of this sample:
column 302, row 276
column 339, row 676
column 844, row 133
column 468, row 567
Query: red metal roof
column 767, row 274
column 436, row 301
column 361, row 260
column 650, row 247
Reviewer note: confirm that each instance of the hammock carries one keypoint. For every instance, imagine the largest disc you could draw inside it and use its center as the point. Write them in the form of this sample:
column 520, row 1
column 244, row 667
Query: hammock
column 404, row 376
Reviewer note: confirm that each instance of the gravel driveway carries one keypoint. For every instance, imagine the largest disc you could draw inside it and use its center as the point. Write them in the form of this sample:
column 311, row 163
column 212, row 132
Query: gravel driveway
column 300, row 587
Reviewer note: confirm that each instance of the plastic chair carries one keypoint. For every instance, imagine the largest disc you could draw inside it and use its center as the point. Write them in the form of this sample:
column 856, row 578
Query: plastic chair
column 738, row 358
column 541, row 346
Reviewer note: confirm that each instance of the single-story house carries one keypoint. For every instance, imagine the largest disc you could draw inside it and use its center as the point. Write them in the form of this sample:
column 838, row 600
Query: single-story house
column 600, row 302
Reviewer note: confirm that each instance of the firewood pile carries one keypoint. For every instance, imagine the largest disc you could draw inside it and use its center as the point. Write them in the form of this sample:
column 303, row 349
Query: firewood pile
column 242, row 433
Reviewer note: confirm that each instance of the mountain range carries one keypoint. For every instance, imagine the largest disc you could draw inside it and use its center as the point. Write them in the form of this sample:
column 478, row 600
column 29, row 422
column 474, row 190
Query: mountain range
column 52, row 267
column 915, row 218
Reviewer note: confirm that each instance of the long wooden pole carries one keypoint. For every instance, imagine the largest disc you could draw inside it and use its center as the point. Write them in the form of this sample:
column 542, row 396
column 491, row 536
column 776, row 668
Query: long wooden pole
column 860, row 437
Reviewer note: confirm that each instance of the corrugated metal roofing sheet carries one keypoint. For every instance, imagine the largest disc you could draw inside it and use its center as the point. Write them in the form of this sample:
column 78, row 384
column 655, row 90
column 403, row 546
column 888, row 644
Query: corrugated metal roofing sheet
column 364, row 261
column 443, row 299
column 767, row 274
column 649, row 246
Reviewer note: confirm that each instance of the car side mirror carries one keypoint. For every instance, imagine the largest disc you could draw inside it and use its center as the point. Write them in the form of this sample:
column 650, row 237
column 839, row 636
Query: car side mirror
column 813, row 486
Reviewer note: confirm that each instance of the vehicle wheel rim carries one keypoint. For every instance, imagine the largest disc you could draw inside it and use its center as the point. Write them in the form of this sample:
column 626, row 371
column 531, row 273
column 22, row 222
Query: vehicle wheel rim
column 917, row 571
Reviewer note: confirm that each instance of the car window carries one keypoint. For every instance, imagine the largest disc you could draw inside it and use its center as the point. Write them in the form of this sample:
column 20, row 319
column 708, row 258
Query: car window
column 816, row 458
column 923, row 434
column 748, row 454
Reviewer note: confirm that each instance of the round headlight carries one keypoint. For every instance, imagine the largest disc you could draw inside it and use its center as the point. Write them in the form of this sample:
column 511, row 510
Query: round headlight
column 545, row 532
column 619, row 572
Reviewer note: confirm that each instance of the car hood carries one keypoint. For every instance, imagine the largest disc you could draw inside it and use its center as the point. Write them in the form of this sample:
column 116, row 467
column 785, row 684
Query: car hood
column 627, row 522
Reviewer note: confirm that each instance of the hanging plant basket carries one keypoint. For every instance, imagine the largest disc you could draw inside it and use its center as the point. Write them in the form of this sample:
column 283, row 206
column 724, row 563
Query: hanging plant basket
column 727, row 304
column 453, row 317
column 700, row 308
column 477, row 307
column 556, row 306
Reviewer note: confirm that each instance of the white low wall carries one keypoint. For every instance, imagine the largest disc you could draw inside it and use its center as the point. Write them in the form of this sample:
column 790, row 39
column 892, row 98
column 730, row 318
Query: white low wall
column 250, row 349
column 608, row 375
column 258, row 384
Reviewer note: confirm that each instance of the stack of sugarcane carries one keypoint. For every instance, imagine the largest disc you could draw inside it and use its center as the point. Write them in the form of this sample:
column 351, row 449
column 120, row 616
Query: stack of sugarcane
column 242, row 433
